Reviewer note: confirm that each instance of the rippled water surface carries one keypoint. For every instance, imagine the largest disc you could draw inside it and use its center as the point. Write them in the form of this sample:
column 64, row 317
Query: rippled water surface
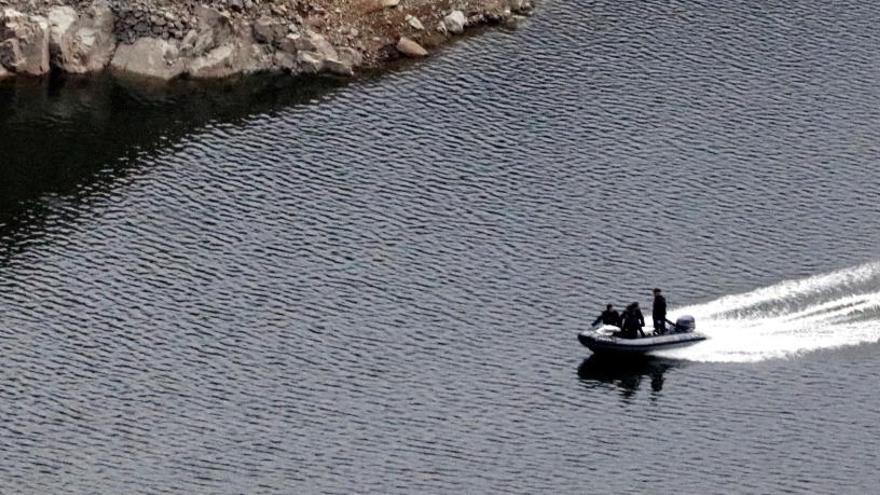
column 376, row 287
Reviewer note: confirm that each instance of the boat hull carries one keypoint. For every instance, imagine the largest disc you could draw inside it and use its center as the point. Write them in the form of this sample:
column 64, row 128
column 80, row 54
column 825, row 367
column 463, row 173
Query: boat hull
column 600, row 342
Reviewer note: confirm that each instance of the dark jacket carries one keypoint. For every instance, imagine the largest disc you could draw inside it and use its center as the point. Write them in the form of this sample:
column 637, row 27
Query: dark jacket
column 608, row 317
column 659, row 312
column 633, row 319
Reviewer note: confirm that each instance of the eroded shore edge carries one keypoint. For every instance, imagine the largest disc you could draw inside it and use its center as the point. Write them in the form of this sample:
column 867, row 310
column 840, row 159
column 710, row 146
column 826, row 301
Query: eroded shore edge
column 162, row 40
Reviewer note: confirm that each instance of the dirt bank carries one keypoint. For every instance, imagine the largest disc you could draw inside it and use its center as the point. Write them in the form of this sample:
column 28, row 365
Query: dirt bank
column 210, row 39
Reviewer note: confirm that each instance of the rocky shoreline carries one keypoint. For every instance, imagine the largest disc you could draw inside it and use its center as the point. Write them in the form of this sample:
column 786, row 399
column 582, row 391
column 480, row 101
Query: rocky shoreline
column 215, row 39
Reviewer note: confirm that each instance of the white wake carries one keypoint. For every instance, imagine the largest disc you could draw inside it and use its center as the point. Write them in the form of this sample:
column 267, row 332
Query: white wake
column 789, row 318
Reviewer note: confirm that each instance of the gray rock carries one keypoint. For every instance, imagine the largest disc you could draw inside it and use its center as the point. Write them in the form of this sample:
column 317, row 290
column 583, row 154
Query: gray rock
column 269, row 30
column 214, row 29
column 60, row 21
column 515, row 21
column 414, row 22
column 310, row 62
column 254, row 57
column 88, row 44
column 350, row 56
column 410, row 48
column 285, row 61
column 311, row 41
column 315, row 54
column 25, row 46
column 236, row 5
column 204, row 42
column 521, row 6
column 188, row 43
column 289, row 43
column 338, row 67
column 264, row 31
column 209, row 18
column 476, row 20
column 150, row 58
column 455, row 21
column 240, row 56
column 218, row 63
column 10, row 54
column 4, row 73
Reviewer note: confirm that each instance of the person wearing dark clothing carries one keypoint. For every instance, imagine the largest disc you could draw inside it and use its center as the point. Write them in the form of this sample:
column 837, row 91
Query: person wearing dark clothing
column 659, row 313
column 608, row 317
column 633, row 321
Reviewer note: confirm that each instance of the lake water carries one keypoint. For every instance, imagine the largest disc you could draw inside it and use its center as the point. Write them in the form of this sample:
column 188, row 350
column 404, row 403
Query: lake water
column 376, row 287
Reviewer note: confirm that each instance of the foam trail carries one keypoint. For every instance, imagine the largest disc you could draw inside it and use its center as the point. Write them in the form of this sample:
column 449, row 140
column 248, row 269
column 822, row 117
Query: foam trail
column 787, row 319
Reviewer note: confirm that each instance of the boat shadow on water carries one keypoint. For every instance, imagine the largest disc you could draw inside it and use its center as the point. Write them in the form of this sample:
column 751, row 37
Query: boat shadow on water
column 625, row 372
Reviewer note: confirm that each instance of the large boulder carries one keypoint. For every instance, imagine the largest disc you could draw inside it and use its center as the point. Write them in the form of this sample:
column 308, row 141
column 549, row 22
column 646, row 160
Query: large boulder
column 85, row 45
column 350, row 56
column 10, row 54
column 342, row 64
column 218, row 63
column 149, row 58
column 60, row 21
column 269, row 30
column 310, row 62
column 338, row 67
column 410, row 48
column 240, row 57
column 315, row 54
column 254, row 57
column 24, row 43
column 290, row 43
column 284, row 61
column 188, row 43
column 455, row 21
column 214, row 29
column 309, row 41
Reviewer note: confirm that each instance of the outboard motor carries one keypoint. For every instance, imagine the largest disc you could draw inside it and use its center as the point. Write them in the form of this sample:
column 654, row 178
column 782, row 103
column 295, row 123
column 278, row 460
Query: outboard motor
column 685, row 324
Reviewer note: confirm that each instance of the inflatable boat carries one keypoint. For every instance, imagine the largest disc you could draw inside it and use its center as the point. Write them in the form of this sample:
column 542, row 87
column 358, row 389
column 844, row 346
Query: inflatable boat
column 607, row 339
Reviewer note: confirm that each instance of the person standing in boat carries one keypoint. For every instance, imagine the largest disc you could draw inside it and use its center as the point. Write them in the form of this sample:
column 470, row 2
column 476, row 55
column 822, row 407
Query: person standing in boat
column 608, row 317
column 633, row 321
column 659, row 313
